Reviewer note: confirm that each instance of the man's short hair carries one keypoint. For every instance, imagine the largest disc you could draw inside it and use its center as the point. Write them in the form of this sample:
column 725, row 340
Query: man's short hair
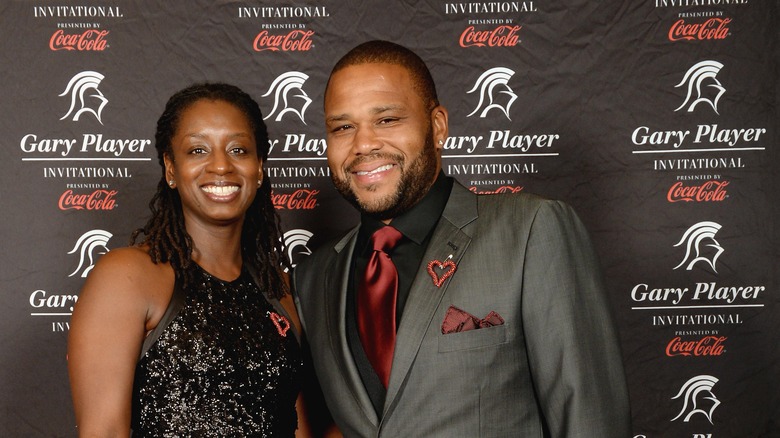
column 386, row 52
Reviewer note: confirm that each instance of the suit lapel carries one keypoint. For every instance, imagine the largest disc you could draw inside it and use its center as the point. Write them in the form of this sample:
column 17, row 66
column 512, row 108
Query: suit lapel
column 336, row 290
column 448, row 241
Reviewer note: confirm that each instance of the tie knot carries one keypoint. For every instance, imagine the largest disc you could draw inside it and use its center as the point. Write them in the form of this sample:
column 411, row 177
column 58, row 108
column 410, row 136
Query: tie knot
column 385, row 238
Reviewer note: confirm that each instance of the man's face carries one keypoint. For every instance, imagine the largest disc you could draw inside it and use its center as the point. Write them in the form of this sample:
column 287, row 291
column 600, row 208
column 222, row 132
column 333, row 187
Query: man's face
column 383, row 148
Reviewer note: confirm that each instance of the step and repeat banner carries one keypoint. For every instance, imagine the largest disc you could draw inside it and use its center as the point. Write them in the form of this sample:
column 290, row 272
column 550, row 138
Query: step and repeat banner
column 656, row 119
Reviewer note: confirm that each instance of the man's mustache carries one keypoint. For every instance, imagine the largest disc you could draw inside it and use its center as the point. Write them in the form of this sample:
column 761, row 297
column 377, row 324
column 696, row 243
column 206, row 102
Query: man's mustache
column 374, row 156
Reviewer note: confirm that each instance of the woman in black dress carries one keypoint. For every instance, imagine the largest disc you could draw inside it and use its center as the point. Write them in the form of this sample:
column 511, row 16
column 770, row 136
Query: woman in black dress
column 191, row 331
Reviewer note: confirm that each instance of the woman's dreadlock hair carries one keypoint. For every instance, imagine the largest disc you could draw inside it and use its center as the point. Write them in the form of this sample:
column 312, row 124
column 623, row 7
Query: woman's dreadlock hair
column 165, row 235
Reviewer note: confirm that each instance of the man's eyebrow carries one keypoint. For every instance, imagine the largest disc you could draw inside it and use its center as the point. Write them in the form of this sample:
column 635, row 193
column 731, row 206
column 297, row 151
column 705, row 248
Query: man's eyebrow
column 383, row 109
column 374, row 111
column 336, row 118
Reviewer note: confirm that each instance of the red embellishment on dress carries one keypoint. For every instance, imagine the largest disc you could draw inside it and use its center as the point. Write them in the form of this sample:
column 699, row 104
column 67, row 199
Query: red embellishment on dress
column 281, row 323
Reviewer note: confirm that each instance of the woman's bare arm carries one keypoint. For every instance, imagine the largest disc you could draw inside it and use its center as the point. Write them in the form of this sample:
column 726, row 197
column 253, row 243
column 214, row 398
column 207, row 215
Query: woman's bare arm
column 119, row 303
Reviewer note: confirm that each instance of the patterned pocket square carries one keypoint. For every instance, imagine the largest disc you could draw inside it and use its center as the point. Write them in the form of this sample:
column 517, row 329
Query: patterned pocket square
column 457, row 320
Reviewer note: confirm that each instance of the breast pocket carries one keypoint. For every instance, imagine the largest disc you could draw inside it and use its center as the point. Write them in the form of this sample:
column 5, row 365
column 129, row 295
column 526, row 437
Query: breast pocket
column 478, row 338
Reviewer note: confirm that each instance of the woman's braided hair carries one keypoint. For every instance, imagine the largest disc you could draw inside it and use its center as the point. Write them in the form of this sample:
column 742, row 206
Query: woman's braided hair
column 261, row 237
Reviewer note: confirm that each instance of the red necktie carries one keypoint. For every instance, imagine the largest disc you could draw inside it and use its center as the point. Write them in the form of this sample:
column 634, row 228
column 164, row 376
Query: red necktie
column 376, row 303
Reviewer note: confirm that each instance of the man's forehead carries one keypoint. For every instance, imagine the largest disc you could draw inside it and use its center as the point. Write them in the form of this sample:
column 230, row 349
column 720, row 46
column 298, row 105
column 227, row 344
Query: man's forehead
column 388, row 83
column 369, row 72
column 375, row 66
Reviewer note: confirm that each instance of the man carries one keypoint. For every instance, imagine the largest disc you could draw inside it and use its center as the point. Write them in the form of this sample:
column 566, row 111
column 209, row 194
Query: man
column 497, row 323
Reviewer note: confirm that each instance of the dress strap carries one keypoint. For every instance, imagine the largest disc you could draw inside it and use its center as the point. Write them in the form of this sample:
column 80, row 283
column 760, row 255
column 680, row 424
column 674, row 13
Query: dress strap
column 174, row 306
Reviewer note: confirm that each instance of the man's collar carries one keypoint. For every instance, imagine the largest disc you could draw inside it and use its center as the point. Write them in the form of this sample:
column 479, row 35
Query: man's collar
column 416, row 223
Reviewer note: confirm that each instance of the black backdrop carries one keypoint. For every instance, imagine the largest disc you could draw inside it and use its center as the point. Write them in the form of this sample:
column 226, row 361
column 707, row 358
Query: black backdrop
column 656, row 119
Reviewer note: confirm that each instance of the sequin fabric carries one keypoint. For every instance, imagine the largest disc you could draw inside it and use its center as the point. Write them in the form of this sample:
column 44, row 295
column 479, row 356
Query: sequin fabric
column 220, row 369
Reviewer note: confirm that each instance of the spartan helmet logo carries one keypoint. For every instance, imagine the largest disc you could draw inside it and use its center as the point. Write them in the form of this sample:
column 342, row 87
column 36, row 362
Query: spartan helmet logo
column 86, row 248
column 82, row 100
column 494, row 92
column 296, row 243
column 697, row 398
column 289, row 96
column 702, row 85
column 700, row 245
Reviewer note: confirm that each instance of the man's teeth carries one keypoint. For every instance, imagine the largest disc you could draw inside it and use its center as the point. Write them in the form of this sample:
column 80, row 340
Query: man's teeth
column 377, row 170
column 220, row 190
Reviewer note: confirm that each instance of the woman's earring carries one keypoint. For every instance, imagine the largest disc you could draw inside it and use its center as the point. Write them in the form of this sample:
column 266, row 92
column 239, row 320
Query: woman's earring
column 171, row 183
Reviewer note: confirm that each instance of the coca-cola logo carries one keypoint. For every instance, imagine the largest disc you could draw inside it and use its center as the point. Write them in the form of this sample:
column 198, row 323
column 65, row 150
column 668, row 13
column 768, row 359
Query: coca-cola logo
column 712, row 29
column 501, row 36
column 706, row 346
column 710, row 191
column 89, row 40
column 97, row 200
column 502, row 189
column 301, row 199
column 294, row 41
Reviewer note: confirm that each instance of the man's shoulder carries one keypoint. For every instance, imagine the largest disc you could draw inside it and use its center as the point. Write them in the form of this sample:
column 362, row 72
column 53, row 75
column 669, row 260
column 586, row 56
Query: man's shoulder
column 324, row 251
column 523, row 207
column 521, row 200
column 502, row 197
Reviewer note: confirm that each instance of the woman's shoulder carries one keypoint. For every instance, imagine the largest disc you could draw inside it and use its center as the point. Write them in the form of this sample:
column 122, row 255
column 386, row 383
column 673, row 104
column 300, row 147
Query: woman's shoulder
column 127, row 257
column 126, row 280
column 130, row 268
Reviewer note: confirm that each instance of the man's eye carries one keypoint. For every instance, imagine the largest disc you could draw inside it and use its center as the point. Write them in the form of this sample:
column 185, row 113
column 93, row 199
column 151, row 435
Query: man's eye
column 342, row 128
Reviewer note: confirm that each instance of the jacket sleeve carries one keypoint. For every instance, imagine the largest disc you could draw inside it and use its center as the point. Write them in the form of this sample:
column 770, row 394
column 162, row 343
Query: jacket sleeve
column 573, row 347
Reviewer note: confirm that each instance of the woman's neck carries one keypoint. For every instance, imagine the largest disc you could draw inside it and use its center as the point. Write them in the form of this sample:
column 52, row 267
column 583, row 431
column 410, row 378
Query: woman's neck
column 218, row 250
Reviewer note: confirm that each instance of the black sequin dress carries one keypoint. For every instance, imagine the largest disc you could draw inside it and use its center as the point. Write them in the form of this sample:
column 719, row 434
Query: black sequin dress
column 222, row 367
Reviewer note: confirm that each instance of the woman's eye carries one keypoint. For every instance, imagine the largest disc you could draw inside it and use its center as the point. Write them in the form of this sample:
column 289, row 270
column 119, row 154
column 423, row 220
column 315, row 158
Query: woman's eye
column 197, row 150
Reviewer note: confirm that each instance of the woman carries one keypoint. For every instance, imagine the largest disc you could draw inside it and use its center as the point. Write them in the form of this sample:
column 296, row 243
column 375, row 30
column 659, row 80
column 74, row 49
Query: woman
column 204, row 292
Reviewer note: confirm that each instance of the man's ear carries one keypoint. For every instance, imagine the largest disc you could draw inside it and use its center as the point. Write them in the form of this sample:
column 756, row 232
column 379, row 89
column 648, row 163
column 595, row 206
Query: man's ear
column 440, row 125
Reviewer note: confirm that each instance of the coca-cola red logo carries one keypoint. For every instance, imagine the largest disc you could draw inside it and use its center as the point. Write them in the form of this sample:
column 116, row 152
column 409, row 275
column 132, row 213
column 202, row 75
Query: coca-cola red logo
column 90, row 40
column 97, row 200
column 502, row 36
column 301, row 199
column 712, row 29
column 502, row 189
column 294, row 41
column 710, row 191
column 706, row 346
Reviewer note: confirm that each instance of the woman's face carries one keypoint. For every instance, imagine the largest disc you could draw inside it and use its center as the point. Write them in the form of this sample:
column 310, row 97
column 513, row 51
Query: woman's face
column 214, row 163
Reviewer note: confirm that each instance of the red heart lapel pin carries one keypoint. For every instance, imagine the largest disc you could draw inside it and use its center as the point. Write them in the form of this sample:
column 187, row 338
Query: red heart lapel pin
column 447, row 269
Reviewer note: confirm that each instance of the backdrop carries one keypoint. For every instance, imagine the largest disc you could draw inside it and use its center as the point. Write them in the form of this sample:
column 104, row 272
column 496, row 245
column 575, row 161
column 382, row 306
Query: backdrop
column 656, row 119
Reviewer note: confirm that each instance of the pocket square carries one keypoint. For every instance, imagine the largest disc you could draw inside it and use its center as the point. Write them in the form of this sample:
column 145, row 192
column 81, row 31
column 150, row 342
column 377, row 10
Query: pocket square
column 457, row 320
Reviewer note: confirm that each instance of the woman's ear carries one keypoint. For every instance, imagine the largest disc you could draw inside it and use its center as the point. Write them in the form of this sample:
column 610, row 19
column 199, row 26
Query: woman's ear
column 170, row 175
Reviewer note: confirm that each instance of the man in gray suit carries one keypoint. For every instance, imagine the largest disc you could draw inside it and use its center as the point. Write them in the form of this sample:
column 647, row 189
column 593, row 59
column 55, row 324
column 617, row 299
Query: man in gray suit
column 491, row 319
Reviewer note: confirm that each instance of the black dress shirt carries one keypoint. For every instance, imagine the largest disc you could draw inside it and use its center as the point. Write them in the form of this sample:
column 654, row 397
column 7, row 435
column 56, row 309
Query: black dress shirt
column 417, row 226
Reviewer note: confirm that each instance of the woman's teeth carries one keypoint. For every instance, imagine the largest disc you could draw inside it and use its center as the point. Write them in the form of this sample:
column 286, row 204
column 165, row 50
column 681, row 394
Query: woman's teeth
column 220, row 190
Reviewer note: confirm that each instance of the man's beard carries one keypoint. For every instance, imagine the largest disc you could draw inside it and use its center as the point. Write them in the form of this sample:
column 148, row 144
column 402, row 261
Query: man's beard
column 412, row 187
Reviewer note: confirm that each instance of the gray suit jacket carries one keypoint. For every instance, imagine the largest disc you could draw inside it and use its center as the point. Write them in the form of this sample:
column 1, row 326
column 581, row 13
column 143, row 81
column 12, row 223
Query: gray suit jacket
column 552, row 369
